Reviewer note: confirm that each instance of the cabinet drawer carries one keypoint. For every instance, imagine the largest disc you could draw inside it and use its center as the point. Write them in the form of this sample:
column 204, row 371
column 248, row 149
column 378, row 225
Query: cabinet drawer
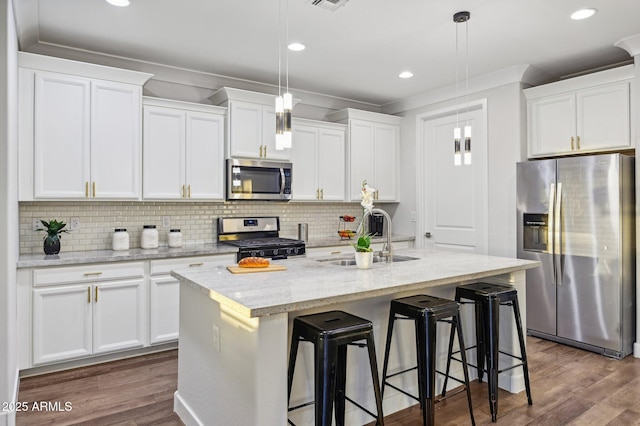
column 164, row 266
column 87, row 273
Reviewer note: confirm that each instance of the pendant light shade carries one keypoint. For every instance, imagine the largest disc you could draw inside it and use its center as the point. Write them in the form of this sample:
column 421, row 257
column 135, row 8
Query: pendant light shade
column 280, row 144
column 456, row 146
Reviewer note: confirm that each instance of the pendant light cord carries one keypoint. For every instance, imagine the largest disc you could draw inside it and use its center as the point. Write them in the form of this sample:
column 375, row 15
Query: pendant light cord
column 457, row 92
column 466, row 60
column 279, row 47
column 287, row 41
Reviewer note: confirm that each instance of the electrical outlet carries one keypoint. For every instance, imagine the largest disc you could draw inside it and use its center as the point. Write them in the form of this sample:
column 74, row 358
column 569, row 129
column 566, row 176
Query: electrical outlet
column 413, row 216
column 166, row 221
column 216, row 338
column 74, row 223
column 35, row 225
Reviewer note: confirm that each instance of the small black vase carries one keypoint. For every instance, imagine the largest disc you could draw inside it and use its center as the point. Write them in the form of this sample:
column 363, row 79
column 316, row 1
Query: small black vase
column 52, row 247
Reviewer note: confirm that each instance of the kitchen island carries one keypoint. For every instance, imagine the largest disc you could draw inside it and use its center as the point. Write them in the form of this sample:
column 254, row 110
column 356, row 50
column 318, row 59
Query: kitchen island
column 235, row 329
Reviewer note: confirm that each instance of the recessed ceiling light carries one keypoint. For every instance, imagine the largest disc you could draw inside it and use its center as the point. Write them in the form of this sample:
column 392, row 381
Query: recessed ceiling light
column 583, row 14
column 120, row 3
column 296, row 47
column 405, row 74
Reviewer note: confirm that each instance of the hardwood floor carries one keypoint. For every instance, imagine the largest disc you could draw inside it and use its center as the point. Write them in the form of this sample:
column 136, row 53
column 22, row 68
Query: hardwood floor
column 569, row 387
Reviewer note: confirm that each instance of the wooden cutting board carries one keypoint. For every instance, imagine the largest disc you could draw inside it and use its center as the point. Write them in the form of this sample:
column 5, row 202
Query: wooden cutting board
column 271, row 268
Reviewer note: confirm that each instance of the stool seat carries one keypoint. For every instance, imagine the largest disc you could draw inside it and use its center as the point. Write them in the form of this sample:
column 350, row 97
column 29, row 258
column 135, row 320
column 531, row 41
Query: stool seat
column 487, row 298
column 330, row 333
column 426, row 311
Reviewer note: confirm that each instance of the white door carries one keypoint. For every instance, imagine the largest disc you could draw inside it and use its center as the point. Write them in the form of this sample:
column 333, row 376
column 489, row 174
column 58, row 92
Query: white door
column 331, row 164
column 61, row 323
column 552, row 124
column 454, row 201
column 245, row 133
column 164, row 307
column 118, row 315
column 305, row 163
column 603, row 117
column 62, row 132
column 115, row 140
column 163, row 155
column 205, row 156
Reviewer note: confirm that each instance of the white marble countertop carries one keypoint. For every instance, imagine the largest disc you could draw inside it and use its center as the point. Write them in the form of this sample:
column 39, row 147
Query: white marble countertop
column 308, row 283
column 101, row 256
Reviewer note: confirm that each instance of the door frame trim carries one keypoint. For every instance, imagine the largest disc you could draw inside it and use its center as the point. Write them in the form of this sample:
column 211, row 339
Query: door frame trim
column 479, row 104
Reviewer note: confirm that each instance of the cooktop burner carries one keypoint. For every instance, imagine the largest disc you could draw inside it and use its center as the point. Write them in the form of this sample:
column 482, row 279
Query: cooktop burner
column 258, row 236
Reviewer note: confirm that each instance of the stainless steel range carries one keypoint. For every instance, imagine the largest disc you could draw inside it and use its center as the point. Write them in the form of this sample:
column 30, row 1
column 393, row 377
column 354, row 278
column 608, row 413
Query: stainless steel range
column 258, row 236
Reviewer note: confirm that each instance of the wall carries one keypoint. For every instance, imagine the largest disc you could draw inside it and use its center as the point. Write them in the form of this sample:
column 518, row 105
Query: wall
column 195, row 220
column 8, row 210
column 506, row 144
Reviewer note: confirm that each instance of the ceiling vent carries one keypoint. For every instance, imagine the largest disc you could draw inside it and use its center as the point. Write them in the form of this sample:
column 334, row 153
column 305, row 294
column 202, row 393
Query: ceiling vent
column 330, row 5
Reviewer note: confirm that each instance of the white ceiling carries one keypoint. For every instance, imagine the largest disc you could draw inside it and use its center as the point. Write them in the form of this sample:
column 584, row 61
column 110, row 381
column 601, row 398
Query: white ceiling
column 354, row 53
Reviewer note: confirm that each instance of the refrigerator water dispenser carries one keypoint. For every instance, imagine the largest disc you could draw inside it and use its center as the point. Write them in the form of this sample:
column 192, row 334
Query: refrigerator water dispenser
column 535, row 232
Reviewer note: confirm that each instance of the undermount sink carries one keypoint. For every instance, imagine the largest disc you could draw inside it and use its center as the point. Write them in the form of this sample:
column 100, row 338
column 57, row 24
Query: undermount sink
column 376, row 259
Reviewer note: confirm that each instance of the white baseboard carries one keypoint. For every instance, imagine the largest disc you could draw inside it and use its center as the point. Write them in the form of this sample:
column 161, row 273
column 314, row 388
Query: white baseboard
column 636, row 350
column 182, row 409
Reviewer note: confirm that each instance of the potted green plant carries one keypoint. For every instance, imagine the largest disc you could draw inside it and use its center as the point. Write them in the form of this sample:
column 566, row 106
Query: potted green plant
column 52, row 239
column 364, row 253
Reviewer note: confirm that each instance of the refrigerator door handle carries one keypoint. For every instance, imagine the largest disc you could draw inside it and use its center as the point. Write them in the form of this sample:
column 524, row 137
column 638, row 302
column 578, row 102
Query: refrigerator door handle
column 551, row 236
column 557, row 250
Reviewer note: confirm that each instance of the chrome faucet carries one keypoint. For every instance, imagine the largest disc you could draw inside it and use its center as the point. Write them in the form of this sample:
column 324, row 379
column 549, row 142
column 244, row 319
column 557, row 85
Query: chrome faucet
column 387, row 249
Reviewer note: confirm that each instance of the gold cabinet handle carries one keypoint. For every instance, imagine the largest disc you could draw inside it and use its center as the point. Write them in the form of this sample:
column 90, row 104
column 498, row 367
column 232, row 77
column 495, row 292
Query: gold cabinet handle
column 96, row 294
column 191, row 265
column 86, row 274
column 189, row 191
column 318, row 194
column 183, row 191
column 572, row 146
column 94, row 190
column 260, row 151
column 336, row 252
column 89, row 294
column 578, row 141
column 86, row 189
column 322, row 194
column 265, row 151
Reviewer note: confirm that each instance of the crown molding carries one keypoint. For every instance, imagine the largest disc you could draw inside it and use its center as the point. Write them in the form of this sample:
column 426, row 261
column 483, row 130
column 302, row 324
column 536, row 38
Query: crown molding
column 631, row 44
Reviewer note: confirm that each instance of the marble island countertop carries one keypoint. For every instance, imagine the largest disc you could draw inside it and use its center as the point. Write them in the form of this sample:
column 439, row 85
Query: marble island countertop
column 308, row 283
column 101, row 256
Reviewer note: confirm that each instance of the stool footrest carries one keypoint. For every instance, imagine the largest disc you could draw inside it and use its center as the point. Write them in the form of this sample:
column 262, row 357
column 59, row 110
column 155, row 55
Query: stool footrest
column 402, row 391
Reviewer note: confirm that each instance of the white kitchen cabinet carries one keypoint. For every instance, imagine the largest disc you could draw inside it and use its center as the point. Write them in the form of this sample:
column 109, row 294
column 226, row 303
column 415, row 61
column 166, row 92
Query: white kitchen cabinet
column 586, row 114
column 80, row 311
column 373, row 152
column 164, row 290
column 79, row 130
column 251, row 124
column 183, row 156
column 318, row 157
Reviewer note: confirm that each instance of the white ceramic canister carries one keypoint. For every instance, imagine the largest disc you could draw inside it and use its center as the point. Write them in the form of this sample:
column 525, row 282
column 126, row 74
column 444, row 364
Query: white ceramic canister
column 175, row 238
column 120, row 239
column 149, row 239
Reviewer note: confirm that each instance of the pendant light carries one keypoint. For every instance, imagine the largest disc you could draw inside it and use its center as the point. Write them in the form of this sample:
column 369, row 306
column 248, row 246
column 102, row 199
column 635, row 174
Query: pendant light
column 284, row 103
column 458, row 18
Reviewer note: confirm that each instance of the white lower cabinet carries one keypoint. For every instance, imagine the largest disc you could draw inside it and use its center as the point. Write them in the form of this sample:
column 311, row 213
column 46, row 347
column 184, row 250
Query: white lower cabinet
column 81, row 310
column 164, row 291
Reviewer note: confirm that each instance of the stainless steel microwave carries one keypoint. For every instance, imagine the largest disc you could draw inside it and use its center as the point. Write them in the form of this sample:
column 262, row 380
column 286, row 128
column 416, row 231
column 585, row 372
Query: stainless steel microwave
column 258, row 180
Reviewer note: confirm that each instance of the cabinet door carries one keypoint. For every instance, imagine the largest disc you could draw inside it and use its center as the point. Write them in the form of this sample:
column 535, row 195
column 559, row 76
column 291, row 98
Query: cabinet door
column 118, row 315
column 245, row 132
column 305, row 163
column 61, row 323
column 164, row 306
column 61, row 133
column 163, row 156
column 115, row 140
column 331, row 164
column 361, row 134
column 204, row 156
column 386, row 145
column 603, row 117
column 552, row 124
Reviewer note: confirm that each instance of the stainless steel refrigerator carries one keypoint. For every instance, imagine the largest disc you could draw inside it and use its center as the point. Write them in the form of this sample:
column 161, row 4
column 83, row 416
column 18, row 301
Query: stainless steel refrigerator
column 576, row 215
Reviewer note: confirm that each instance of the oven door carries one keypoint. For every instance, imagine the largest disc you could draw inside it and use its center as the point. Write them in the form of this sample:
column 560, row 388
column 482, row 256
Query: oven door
column 258, row 180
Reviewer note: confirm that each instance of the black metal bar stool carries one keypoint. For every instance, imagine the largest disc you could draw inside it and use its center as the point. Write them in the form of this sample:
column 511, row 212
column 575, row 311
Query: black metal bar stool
column 331, row 332
column 426, row 312
column 487, row 299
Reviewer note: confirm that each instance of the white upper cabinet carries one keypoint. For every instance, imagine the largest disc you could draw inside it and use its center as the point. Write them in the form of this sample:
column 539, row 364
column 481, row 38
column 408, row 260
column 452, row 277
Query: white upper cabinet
column 251, row 124
column 318, row 157
column 183, row 151
column 79, row 130
column 373, row 152
column 586, row 114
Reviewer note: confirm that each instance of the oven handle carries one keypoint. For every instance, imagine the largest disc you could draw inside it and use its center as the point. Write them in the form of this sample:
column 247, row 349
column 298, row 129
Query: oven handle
column 282, row 181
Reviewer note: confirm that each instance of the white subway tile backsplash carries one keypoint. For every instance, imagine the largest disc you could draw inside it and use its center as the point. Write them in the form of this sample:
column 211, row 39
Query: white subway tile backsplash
column 197, row 221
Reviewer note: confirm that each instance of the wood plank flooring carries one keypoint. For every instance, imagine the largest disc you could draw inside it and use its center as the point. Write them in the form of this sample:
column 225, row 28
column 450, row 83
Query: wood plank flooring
column 570, row 387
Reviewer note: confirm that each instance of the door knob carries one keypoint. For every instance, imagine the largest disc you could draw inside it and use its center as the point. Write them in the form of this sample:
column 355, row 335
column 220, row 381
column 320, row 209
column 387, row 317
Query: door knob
column 427, row 234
